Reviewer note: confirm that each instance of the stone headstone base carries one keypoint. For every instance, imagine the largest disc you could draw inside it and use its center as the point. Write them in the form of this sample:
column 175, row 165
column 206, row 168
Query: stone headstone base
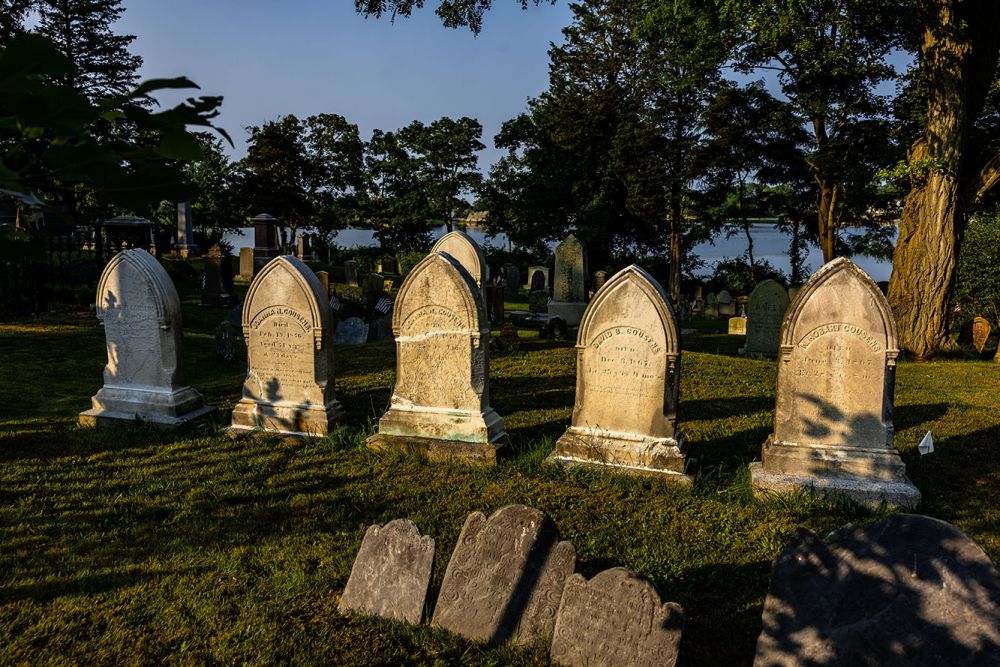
column 571, row 313
column 869, row 492
column 156, row 406
column 473, row 427
column 298, row 420
column 779, row 458
column 437, row 450
column 656, row 457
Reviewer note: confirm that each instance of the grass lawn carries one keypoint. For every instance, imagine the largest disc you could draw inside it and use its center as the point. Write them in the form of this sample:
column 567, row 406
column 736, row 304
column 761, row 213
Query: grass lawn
column 134, row 545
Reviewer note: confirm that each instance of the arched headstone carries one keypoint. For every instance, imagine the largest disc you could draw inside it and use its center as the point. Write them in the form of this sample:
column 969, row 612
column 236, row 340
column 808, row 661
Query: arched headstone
column 144, row 376
column 765, row 312
column 464, row 249
column 627, row 381
column 440, row 405
column 833, row 430
column 288, row 327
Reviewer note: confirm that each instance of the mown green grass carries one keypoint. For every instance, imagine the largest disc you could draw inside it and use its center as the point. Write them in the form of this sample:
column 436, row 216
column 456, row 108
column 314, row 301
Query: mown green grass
column 134, row 545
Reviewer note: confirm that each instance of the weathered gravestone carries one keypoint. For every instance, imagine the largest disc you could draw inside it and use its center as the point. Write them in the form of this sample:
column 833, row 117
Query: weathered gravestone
column 387, row 264
column 351, row 273
column 980, row 332
column 505, row 577
column 600, row 277
column 494, row 302
column 511, row 278
column 568, row 290
column 246, row 264
column 351, row 331
column 373, row 288
column 185, row 233
column 265, row 240
column 217, row 279
column 464, row 249
column 538, row 301
column 616, row 618
column 440, row 404
column 726, row 306
column 907, row 590
column 144, row 376
column 711, row 306
column 737, row 326
column 627, row 381
column 391, row 573
column 833, row 429
column 538, row 278
column 324, row 280
column 765, row 312
column 288, row 328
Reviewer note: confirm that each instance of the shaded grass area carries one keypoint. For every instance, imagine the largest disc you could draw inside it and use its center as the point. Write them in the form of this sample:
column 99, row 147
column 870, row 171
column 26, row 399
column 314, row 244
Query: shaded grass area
column 145, row 546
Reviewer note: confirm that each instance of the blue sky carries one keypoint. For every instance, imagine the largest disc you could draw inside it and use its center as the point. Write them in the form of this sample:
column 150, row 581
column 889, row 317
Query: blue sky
column 270, row 58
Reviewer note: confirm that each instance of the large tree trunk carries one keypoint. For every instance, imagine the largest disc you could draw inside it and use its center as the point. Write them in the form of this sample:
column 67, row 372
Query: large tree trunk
column 958, row 61
column 826, row 209
column 676, row 220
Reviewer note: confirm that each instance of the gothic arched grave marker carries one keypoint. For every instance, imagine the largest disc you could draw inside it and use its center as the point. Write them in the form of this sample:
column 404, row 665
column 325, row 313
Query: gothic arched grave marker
column 288, row 327
column 627, row 381
column 440, row 404
column 765, row 312
column 144, row 377
column 464, row 249
column 833, row 430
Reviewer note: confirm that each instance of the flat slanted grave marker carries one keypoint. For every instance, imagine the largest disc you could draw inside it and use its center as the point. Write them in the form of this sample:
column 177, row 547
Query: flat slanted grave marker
column 907, row 590
column 288, row 327
column 144, row 376
column 391, row 573
column 616, row 618
column 505, row 578
column 833, row 431
column 765, row 312
column 464, row 249
column 627, row 381
column 440, row 404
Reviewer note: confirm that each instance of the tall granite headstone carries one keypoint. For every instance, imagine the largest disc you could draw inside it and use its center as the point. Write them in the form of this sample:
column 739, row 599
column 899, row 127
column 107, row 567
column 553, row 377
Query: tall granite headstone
column 246, row 264
column 568, row 283
column 185, row 232
column 351, row 273
column 464, row 249
column 217, row 279
column 391, row 573
column 907, row 590
column 505, row 578
column 265, row 240
column 288, row 328
column 144, row 376
column 627, row 381
column 616, row 619
column 765, row 312
column 833, row 429
column 440, row 405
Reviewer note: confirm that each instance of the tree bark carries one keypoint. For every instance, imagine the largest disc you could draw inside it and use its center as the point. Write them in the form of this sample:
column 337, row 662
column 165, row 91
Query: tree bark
column 676, row 220
column 958, row 62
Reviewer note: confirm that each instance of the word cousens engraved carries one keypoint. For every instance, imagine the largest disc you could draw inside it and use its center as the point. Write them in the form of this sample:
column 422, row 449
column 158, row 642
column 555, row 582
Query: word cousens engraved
column 840, row 328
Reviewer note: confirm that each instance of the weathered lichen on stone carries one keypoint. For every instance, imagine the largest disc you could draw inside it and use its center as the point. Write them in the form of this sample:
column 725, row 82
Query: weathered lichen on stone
column 765, row 313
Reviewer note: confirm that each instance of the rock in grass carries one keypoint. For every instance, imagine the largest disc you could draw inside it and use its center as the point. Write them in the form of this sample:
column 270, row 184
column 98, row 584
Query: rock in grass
column 391, row 573
column 616, row 618
column 908, row 590
column 505, row 577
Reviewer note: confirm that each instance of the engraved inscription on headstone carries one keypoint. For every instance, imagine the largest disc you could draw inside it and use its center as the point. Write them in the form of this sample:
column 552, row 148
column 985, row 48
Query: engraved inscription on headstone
column 765, row 312
column 980, row 332
column 568, row 289
column 440, row 403
column 737, row 326
column 464, row 249
column 505, row 578
column 627, row 381
column 833, row 429
column 907, row 590
column 616, row 618
column 391, row 573
column 288, row 329
column 144, row 376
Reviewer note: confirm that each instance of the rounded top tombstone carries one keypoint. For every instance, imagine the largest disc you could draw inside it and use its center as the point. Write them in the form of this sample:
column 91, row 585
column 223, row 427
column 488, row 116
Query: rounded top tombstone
column 464, row 249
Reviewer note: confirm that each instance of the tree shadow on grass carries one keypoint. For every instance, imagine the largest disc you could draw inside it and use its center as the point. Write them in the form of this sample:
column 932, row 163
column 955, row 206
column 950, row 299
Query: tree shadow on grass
column 905, row 416
column 724, row 408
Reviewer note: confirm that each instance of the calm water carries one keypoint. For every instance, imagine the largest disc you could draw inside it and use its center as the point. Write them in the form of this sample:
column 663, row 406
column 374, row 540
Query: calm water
column 768, row 243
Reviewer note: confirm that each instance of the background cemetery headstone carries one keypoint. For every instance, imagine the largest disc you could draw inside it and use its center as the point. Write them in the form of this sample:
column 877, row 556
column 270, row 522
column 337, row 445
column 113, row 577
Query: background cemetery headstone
column 616, row 619
column 765, row 312
column 324, row 280
column 600, row 277
column 246, row 264
column 265, row 240
column 391, row 573
column 464, row 249
column 907, row 590
column 185, row 233
column 144, row 377
column 980, row 333
column 726, row 305
column 538, row 301
column 568, row 283
column 387, row 264
column 351, row 331
column 440, row 403
column 833, row 429
column 737, row 326
column 505, row 577
column 494, row 302
column 711, row 306
column 538, row 278
column 217, row 279
column 351, row 273
column 627, row 381
column 288, row 328
column 511, row 278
